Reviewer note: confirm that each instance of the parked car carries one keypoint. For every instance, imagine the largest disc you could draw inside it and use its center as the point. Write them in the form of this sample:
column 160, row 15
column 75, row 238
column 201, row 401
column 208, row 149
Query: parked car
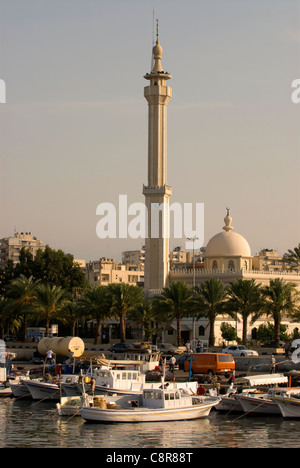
column 168, row 348
column 239, row 350
column 121, row 348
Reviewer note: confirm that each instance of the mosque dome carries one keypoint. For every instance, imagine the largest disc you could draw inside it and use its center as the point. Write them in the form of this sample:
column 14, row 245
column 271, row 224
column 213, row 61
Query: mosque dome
column 228, row 243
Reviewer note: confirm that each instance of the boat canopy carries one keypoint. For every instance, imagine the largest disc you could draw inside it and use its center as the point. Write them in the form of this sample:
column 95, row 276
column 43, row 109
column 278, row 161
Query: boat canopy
column 263, row 379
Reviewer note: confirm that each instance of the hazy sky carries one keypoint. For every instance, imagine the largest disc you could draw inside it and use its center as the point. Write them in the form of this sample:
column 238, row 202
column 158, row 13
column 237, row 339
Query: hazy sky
column 74, row 128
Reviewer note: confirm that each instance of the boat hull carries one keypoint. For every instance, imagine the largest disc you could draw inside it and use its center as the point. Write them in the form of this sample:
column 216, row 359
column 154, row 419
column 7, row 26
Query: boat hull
column 289, row 407
column 43, row 391
column 229, row 404
column 139, row 415
column 20, row 390
column 254, row 405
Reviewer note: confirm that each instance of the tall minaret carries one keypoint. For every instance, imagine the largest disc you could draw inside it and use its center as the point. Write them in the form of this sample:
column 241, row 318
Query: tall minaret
column 157, row 193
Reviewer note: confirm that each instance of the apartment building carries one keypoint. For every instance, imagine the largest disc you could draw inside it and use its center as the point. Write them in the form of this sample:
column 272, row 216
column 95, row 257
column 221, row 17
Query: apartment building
column 10, row 247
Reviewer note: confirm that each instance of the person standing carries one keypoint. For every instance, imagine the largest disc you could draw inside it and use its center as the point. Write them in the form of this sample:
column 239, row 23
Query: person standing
column 273, row 364
column 172, row 363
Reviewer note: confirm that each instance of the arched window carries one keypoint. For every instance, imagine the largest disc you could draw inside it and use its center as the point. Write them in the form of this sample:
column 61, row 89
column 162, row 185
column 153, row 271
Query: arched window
column 201, row 331
column 215, row 265
column 231, row 265
column 246, row 265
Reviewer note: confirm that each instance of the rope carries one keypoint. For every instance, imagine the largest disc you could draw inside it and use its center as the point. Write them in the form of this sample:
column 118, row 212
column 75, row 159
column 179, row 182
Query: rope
column 245, row 414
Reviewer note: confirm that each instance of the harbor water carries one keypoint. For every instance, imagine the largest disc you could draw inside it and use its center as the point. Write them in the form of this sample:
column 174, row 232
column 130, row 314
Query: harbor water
column 30, row 424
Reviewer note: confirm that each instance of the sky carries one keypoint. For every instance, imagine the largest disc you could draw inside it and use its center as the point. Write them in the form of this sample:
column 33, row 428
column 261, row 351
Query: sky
column 74, row 126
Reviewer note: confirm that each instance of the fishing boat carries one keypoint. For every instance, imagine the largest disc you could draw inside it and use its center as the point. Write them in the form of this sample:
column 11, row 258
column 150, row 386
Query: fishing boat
column 70, row 406
column 265, row 403
column 18, row 387
column 289, row 405
column 153, row 405
column 247, row 386
column 41, row 390
column 122, row 377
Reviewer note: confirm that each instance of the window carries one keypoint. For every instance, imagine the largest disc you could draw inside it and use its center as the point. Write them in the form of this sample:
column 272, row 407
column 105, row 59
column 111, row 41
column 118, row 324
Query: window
column 201, row 330
column 231, row 265
column 215, row 265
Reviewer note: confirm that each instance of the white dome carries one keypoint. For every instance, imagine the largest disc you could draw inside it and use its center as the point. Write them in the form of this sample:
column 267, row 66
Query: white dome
column 228, row 243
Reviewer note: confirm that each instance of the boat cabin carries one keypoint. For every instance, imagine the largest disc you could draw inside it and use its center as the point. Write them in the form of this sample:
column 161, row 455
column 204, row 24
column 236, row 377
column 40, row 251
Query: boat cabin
column 282, row 392
column 117, row 378
column 167, row 398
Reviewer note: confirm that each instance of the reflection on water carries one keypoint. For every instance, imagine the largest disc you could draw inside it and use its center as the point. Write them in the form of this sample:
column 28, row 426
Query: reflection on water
column 34, row 424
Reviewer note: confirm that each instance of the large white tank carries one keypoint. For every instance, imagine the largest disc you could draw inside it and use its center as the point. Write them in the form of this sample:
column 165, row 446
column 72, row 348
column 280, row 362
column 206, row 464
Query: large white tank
column 62, row 346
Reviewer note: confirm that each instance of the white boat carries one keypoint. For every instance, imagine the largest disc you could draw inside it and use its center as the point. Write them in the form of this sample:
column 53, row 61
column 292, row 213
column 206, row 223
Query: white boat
column 289, row 405
column 161, row 404
column 70, row 406
column 41, row 390
column 122, row 377
column 231, row 401
column 264, row 403
column 18, row 387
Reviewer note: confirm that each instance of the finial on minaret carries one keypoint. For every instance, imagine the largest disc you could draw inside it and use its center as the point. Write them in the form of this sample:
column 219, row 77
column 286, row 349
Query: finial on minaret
column 228, row 220
column 157, row 53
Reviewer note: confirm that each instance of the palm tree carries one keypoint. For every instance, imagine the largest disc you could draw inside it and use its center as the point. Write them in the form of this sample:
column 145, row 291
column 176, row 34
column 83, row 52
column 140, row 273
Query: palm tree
column 210, row 296
column 245, row 299
column 146, row 316
column 21, row 295
column 70, row 314
column 95, row 304
column 280, row 297
column 49, row 301
column 124, row 298
column 176, row 301
column 292, row 258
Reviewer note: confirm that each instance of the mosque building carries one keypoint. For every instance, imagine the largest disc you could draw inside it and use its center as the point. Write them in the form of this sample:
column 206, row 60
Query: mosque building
column 227, row 254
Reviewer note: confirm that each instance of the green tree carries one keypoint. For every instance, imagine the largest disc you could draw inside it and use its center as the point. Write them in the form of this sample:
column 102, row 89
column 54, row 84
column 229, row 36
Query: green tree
column 145, row 316
column 210, row 296
column 280, row 298
column 70, row 314
column 49, row 301
column 53, row 267
column 228, row 332
column 243, row 298
column 95, row 303
column 124, row 298
column 21, row 297
column 177, row 301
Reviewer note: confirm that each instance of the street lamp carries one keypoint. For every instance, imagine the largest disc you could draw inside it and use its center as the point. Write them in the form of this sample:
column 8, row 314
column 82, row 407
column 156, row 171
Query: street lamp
column 193, row 239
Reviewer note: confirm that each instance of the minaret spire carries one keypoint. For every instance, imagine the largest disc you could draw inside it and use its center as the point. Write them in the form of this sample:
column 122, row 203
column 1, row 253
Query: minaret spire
column 157, row 192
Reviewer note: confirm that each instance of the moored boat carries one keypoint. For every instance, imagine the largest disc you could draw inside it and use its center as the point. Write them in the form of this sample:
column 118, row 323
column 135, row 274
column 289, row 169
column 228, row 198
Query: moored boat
column 289, row 405
column 231, row 401
column 161, row 404
column 265, row 403
column 41, row 390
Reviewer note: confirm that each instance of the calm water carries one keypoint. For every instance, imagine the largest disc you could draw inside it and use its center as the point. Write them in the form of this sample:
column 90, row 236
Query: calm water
column 27, row 424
